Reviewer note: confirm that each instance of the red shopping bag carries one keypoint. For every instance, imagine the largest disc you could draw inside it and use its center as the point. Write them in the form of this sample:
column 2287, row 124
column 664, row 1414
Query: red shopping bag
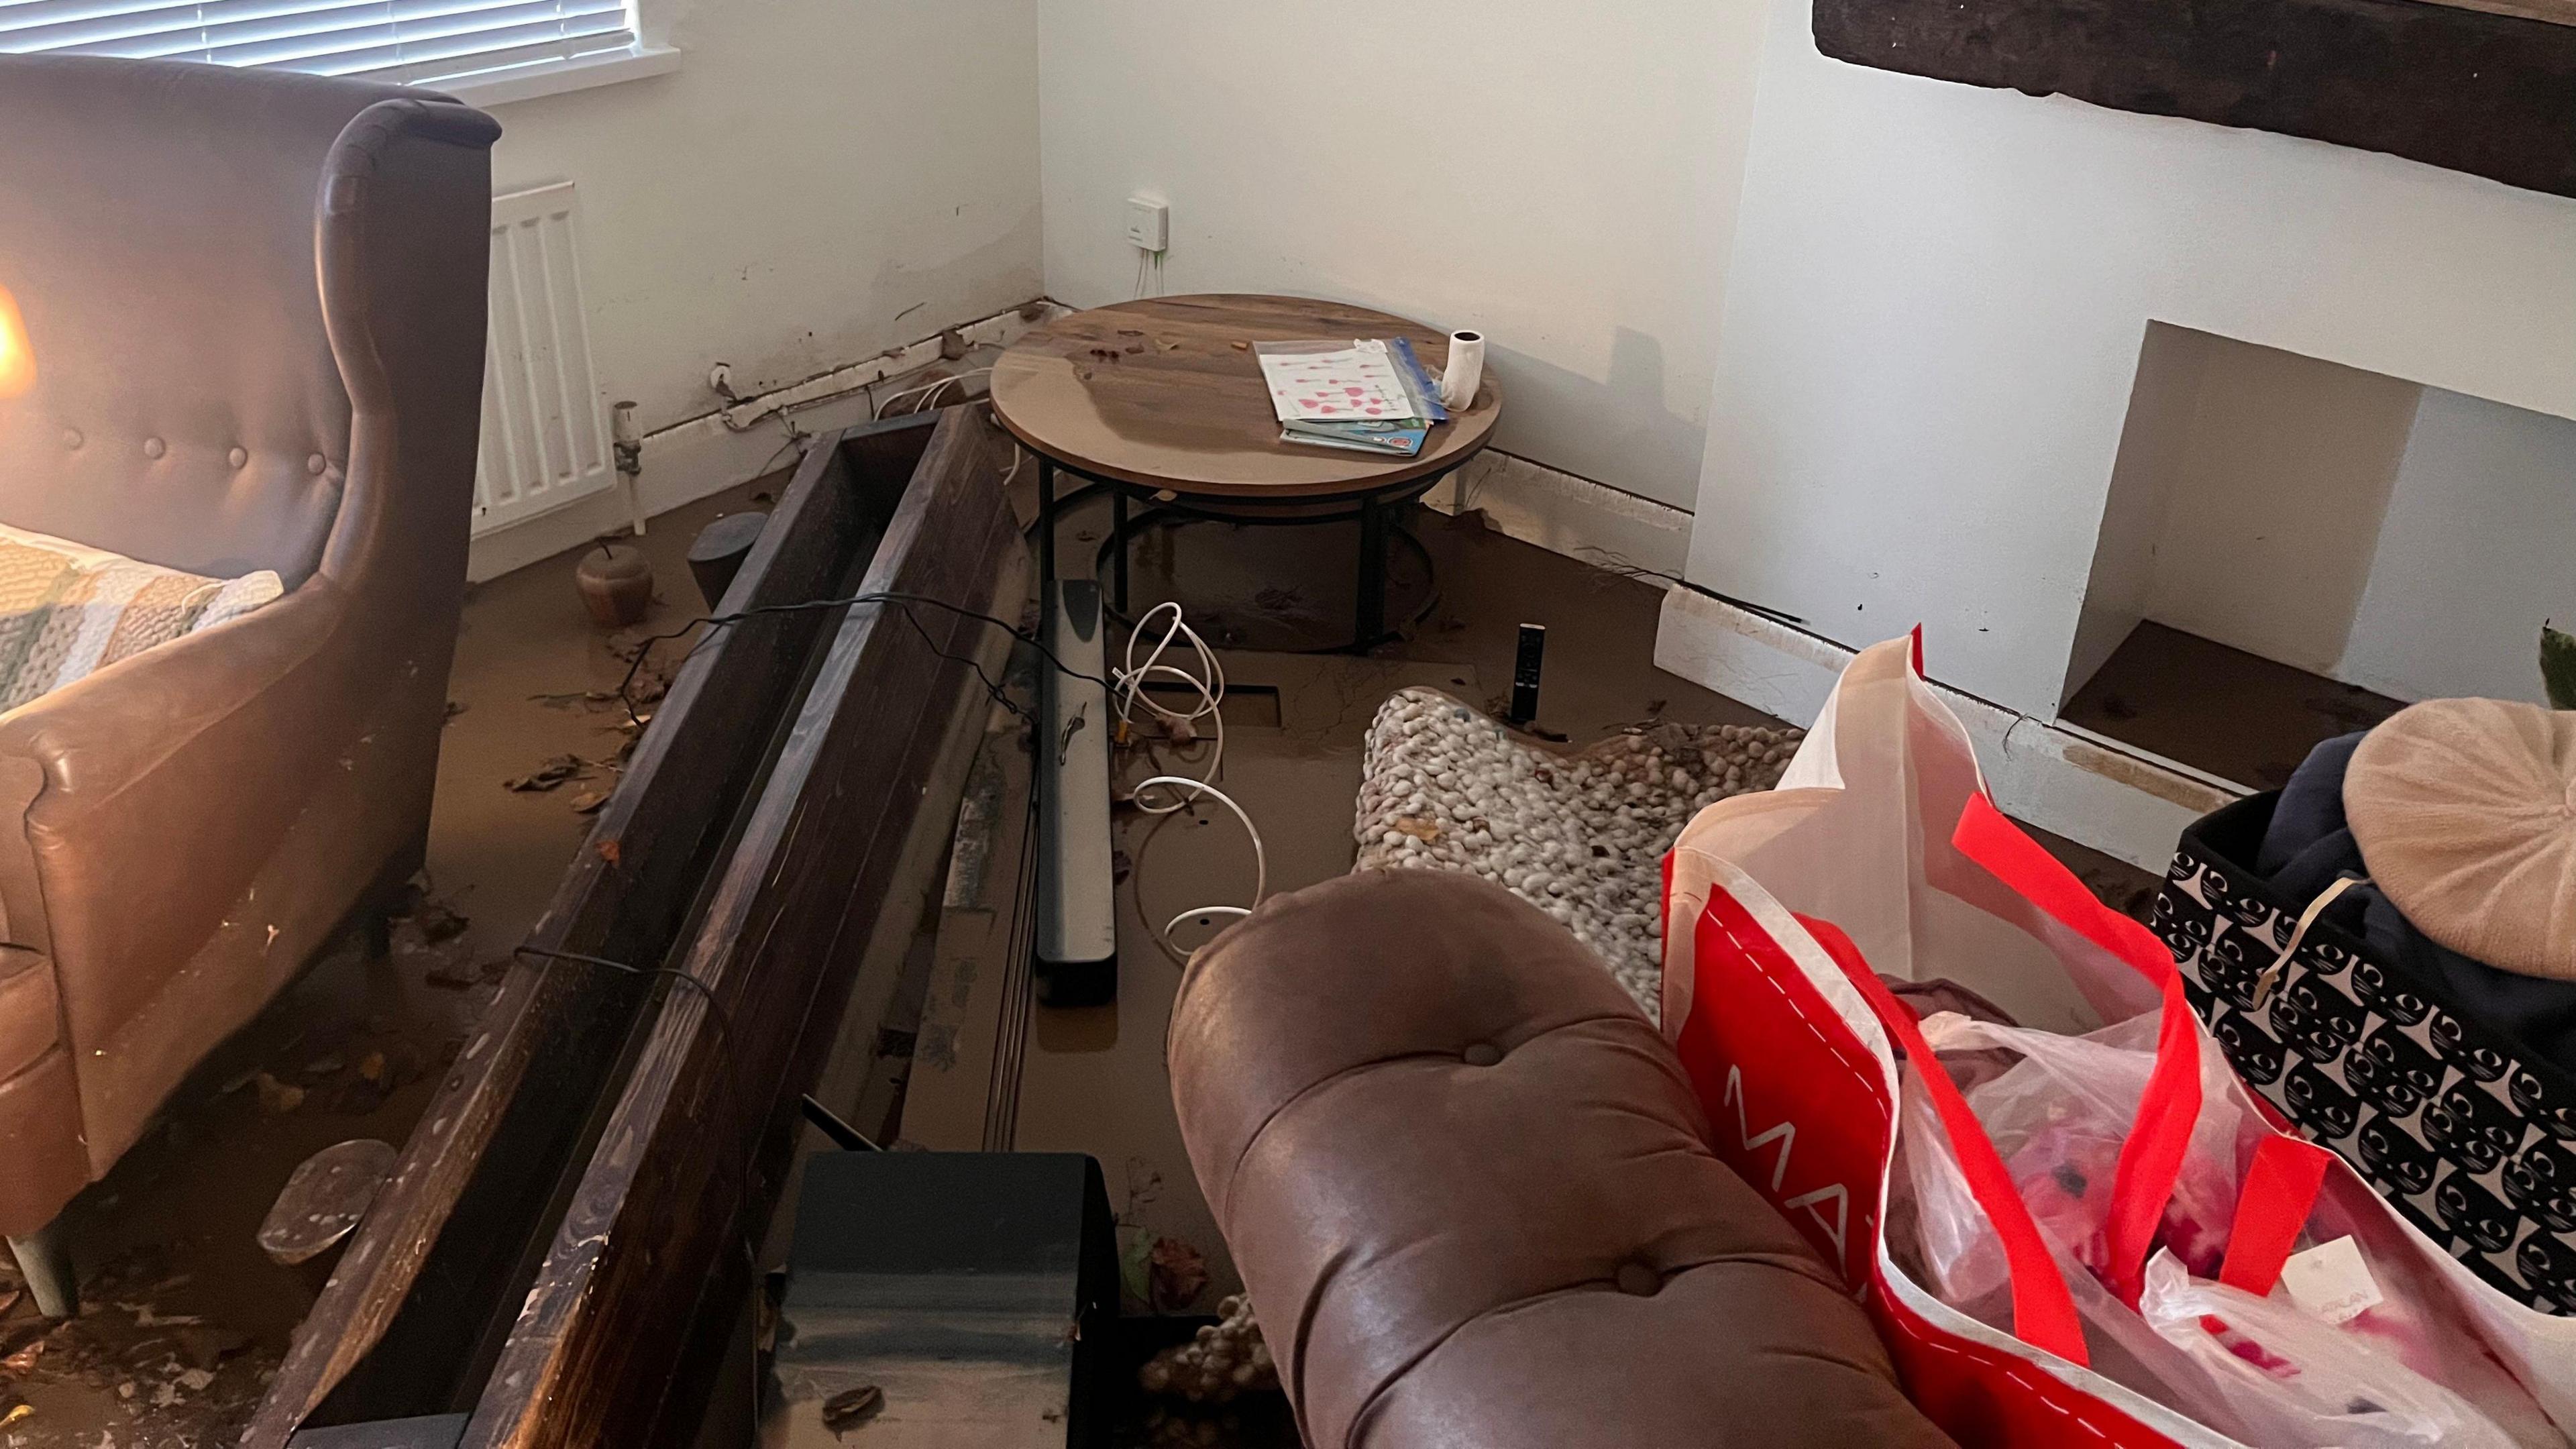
column 1882, row 827
column 1797, row 1073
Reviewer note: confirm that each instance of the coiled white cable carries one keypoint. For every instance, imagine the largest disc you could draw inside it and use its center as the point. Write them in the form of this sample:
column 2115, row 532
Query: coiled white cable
column 1209, row 682
column 1260, row 856
column 1130, row 684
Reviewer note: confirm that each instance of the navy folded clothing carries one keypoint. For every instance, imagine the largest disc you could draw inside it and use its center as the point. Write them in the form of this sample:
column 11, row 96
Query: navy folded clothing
column 2308, row 846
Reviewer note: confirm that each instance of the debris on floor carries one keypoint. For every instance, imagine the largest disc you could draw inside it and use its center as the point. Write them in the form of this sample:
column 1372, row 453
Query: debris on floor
column 852, row 1407
column 129, row 1371
column 436, row 918
column 1226, row 1359
column 653, row 659
column 552, row 772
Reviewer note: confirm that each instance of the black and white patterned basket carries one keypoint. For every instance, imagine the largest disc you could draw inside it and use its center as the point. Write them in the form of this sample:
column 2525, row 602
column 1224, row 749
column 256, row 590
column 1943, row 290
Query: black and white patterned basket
column 2439, row 1111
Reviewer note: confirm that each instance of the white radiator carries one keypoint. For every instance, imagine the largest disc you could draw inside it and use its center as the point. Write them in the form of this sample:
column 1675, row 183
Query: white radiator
column 545, row 417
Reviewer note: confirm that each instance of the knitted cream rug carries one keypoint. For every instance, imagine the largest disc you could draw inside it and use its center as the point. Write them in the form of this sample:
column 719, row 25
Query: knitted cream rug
column 1581, row 835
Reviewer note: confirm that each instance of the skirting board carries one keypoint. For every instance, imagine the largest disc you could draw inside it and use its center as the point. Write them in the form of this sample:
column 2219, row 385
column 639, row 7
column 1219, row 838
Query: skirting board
column 1565, row 514
column 707, row 454
column 2124, row 804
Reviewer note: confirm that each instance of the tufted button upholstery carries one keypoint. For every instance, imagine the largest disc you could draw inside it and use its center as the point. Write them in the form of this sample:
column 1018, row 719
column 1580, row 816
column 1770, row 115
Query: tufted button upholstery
column 189, row 828
column 171, row 345
column 1536, row 1251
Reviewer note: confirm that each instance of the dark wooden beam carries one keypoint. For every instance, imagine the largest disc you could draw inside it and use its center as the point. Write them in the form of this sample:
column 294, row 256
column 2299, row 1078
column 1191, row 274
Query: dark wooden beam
column 2490, row 94
column 690, row 1161
column 422, row 1300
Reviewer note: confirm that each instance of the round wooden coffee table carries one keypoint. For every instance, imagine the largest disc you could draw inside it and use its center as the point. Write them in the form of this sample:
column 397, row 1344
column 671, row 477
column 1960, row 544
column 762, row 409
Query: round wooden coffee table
column 1163, row 399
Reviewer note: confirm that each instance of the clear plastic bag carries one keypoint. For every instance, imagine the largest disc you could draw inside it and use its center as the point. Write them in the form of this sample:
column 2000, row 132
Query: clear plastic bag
column 1952, row 1248
column 2056, row 1114
column 2300, row 1382
column 2061, row 1113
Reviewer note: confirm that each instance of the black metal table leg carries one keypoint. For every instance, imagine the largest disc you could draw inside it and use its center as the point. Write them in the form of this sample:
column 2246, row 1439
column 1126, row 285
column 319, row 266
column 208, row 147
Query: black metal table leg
column 1046, row 532
column 1372, row 598
column 1118, row 533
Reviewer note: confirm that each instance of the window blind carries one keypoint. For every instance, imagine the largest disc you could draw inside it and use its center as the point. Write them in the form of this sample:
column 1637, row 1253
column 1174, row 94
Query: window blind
column 412, row 41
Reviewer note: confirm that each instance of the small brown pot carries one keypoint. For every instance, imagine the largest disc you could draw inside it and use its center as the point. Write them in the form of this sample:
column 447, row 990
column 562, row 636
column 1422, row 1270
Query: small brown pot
column 616, row 584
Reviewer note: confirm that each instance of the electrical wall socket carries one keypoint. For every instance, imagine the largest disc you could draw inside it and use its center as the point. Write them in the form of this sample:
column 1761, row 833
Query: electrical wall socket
column 1149, row 224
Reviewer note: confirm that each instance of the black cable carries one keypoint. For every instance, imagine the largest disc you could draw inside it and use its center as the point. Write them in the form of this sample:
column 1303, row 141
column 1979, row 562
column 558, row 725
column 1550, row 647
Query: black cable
column 713, row 622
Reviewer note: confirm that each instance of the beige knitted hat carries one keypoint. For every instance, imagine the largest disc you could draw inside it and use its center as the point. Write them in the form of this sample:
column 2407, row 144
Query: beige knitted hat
column 2465, row 811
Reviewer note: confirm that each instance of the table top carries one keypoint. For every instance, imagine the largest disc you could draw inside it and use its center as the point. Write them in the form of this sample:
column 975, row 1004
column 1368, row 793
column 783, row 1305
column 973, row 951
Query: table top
column 1167, row 393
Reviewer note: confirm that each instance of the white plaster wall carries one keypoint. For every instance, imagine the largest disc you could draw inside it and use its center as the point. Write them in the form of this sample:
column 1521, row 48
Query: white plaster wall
column 1934, row 311
column 2478, row 548
column 1562, row 179
column 2274, row 509
column 819, row 180
column 2172, row 362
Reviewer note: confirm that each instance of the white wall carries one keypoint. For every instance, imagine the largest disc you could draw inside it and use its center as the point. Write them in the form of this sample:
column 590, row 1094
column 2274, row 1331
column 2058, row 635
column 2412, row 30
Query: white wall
column 2478, row 548
column 2246, row 499
column 1934, row 312
column 1561, row 178
column 819, row 180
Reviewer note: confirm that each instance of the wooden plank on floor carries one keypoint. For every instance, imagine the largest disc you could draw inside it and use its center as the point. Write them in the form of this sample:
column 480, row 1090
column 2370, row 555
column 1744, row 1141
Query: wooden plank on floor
column 694, row 1146
column 448, row 1240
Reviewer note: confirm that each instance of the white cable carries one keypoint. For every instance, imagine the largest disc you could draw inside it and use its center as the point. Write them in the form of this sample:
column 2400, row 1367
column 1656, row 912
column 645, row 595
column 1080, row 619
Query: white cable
column 1129, row 689
column 1209, row 682
column 931, row 387
column 1260, row 855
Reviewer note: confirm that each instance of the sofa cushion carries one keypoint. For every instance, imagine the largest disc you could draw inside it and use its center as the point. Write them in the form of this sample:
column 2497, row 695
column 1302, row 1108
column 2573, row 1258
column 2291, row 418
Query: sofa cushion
column 1470, row 1193
column 68, row 610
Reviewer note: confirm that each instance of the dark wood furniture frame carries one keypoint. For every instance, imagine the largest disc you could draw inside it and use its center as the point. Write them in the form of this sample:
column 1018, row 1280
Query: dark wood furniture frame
column 1380, row 513
column 2490, row 94
column 570, row 1224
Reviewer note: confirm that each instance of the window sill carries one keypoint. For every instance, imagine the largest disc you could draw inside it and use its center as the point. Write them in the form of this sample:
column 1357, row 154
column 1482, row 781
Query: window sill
column 607, row 68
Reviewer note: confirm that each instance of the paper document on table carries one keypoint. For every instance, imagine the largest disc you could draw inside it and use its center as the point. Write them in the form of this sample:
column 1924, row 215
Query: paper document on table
column 1334, row 381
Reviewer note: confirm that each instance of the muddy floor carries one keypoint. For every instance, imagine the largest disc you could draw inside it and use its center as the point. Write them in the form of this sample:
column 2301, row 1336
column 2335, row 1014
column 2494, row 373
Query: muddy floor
column 995, row 1071
column 185, row 1319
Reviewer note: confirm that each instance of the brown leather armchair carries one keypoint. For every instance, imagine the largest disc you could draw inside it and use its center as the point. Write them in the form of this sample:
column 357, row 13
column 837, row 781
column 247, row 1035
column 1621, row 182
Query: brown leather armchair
column 256, row 304
column 1470, row 1193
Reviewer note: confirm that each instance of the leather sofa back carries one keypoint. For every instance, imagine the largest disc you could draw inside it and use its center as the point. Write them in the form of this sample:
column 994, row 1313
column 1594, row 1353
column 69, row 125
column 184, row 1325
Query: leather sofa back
column 1470, row 1192
column 157, row 227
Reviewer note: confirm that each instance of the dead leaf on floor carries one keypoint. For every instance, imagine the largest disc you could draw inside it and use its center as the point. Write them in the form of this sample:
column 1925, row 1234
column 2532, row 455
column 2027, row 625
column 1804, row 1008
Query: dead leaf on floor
column 436, row 920
column 554, row 771
column 656, row 663
column 24, row 1357
column 277, row 1098
column 1179, row 1274
column 589, row 801
column 1420, row 829
column 13, row 1408
column 852, row 1407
